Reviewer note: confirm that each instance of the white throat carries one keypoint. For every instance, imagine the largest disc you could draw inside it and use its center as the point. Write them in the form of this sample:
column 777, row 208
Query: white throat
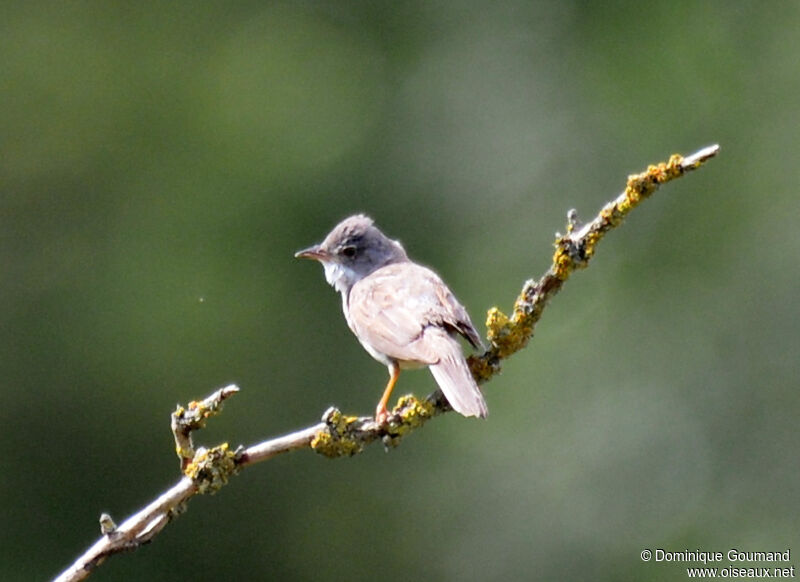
column 340, row 277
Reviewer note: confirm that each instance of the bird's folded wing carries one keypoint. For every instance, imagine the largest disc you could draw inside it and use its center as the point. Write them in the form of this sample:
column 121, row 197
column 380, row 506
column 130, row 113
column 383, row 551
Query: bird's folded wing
column 391, row 308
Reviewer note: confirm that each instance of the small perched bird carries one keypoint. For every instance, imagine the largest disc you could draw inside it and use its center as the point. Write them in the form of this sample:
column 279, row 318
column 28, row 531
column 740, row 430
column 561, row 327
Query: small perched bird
column 401, row 312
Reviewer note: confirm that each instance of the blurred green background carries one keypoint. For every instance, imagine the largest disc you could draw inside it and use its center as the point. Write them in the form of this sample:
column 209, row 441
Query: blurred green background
column 161, row 163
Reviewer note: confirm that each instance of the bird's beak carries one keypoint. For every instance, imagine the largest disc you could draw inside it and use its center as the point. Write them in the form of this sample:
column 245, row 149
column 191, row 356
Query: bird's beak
column 315, row 252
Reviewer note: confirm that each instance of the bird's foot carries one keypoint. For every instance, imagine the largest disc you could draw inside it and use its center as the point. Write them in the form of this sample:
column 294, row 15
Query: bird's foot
column 381, row 415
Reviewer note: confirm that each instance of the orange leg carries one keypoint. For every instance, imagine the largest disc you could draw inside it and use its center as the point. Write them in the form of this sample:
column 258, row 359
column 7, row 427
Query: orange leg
column 381, row 413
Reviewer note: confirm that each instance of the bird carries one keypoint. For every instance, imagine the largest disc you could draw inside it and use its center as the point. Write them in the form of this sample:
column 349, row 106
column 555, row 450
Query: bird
column 401, row 312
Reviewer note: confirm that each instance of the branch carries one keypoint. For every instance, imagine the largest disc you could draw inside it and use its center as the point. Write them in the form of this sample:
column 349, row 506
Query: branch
column 573, row 252
column 208, row 470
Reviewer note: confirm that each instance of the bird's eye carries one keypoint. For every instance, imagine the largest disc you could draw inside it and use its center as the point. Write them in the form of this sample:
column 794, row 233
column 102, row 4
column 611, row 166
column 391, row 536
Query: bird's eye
column 349, row 252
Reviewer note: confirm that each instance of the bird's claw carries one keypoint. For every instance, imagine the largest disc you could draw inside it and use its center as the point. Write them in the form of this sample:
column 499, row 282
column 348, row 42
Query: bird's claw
column 381, row 416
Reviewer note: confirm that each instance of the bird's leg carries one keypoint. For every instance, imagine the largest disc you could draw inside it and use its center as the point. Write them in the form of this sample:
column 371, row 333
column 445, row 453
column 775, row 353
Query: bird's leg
column 380, row 412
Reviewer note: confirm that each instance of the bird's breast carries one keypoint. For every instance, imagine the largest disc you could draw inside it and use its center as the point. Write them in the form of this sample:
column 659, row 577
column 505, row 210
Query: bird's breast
column 380, row 356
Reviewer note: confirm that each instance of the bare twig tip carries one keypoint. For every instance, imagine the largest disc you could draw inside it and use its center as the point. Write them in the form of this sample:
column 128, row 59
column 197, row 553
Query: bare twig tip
column 107, row 525
column 700, row 156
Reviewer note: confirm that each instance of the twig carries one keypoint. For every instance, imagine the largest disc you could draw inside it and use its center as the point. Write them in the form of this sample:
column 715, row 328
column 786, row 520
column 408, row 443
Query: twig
column 206, row 474
column 138, row 529
column 207, row 470
column 193, row 417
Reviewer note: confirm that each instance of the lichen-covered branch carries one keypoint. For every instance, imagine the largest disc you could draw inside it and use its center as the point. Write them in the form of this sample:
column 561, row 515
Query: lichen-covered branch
column 338, row 435
column 574, row 249
column 193, row 417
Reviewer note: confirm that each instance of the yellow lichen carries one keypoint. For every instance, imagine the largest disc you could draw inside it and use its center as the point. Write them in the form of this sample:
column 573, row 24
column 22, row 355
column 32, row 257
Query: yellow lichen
column 211, row 468
column 184, row 452
column 590, row 244
column 325, row 444
column 480, row 368
column 509, row 335
column 496, row 323
column 413, row 411
column 410, row 413
column 675, row 165
column 335, row 440
column 501, row 332
column 563, row 265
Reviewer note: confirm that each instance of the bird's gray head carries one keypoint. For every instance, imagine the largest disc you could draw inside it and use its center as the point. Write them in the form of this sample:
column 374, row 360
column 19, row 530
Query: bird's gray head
column 352, row 250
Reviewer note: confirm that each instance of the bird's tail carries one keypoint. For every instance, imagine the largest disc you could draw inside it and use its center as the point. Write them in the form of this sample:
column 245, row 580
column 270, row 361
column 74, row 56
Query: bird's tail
column 456, row 381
